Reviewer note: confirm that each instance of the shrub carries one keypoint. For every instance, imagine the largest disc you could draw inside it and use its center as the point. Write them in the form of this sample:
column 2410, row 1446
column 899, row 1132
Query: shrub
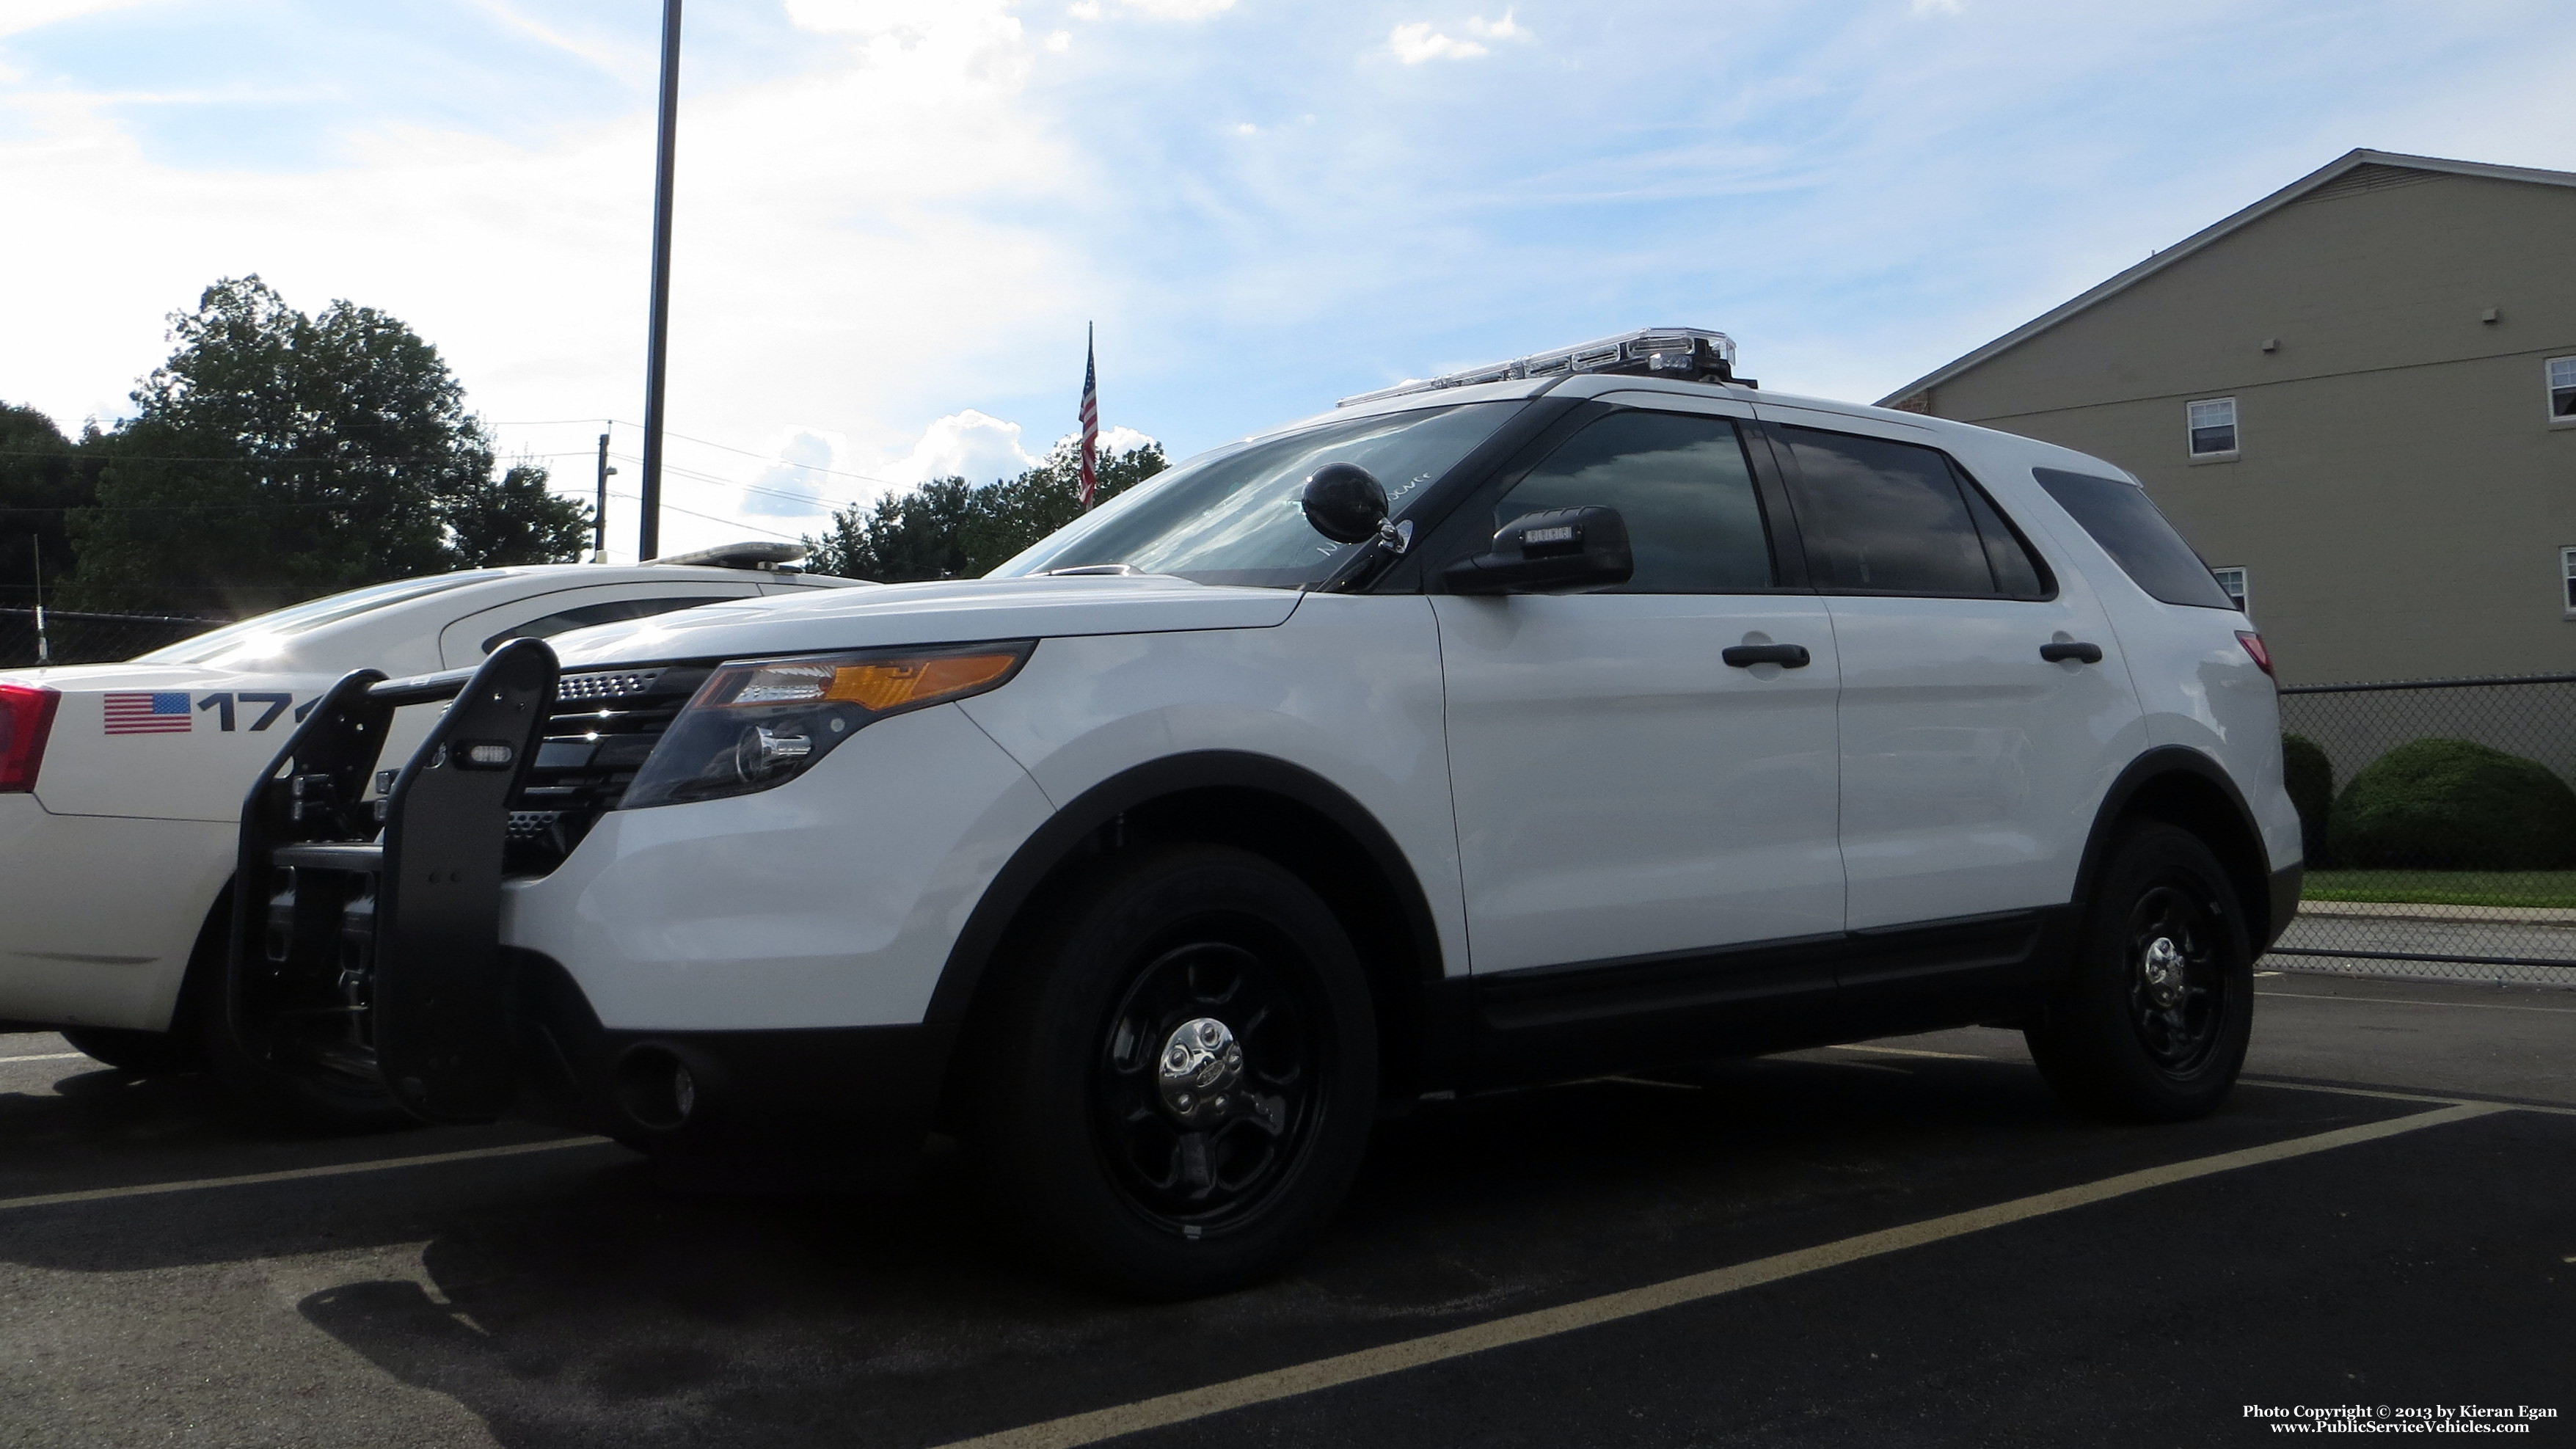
column 2310, row 778
column 2453, row 805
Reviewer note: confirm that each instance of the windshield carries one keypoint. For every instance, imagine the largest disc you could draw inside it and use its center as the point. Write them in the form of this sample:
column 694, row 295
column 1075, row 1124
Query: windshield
column 1233, row 516
column 281, row 624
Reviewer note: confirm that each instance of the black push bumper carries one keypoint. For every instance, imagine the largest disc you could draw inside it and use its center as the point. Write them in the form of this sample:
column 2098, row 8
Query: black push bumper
column 366, row 943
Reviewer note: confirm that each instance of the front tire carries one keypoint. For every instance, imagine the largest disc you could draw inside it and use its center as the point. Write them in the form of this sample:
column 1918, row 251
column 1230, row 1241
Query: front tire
column 1182, row 1075
column 2151, row 1024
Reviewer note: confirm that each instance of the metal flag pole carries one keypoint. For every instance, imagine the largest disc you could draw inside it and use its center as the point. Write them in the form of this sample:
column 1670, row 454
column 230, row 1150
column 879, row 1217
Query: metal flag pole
column 657, row 348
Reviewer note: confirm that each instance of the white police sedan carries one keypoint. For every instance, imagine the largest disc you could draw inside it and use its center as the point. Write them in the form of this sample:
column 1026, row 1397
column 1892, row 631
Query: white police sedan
column 121, row 784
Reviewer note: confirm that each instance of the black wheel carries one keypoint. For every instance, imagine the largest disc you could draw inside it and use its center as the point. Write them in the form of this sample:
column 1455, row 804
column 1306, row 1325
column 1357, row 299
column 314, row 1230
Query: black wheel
column 143, row 1053
column 1183, row 1075
column 2152, row 1023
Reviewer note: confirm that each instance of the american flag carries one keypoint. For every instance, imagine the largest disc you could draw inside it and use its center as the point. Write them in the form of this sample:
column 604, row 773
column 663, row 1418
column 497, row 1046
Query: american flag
column 159, row 713
column 1090, row 421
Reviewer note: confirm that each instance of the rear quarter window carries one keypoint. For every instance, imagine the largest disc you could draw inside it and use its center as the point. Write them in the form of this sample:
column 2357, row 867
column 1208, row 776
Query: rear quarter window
column 2133, row 531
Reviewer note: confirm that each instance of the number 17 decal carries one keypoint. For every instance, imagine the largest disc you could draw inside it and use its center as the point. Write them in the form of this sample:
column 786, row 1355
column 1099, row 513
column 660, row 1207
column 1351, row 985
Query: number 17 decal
column 223, row 704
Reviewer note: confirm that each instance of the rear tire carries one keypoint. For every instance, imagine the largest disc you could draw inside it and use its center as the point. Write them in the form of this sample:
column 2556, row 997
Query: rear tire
column 141, row 1053
column 1179, row 1079
column 2152, row 1021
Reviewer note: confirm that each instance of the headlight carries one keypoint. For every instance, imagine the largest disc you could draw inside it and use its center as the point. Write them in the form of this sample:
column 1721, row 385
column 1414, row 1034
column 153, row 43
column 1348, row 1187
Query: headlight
column 762, row 722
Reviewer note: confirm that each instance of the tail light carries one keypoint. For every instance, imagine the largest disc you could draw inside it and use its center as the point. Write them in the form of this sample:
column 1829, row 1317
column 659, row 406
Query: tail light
column 2253, row 643
column 26, row 717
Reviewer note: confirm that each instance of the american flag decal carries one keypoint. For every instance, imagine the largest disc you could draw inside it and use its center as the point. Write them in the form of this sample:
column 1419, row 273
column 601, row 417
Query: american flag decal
column 160, row 713
column 1090, row 421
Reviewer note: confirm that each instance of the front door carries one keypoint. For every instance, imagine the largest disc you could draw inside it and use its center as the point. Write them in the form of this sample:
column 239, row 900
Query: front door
column 1633, row 811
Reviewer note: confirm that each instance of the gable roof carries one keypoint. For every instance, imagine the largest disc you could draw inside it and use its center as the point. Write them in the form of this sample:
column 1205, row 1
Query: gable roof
column 2354, row 171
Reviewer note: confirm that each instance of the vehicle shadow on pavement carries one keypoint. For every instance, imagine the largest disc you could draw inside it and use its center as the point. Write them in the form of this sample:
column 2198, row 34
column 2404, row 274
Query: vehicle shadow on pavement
column 620, row 1314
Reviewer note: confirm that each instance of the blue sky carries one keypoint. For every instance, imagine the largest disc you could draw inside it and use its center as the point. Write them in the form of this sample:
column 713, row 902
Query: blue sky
column 896, row 216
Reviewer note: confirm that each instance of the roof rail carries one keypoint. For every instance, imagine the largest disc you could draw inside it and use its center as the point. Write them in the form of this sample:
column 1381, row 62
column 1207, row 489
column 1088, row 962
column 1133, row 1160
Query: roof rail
column 1694, row 353
column 764, row 556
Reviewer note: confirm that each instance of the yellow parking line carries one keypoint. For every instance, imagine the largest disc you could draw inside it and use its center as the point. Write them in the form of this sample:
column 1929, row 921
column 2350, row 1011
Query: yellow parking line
column 1307, row 1378
column 48, row 1057
column 1888, row 1051
column 338, row 1169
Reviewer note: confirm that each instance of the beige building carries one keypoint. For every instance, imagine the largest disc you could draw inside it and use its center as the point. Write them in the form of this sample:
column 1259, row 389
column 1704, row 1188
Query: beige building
column 2357, row 399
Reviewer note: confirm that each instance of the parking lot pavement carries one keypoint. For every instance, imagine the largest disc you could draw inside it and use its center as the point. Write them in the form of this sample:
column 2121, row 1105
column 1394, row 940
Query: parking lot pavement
column 1900, row 1242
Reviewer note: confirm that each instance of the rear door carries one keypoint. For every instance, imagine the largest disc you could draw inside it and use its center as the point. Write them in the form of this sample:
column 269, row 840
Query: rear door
column 1629, row 805
column 1971, row 758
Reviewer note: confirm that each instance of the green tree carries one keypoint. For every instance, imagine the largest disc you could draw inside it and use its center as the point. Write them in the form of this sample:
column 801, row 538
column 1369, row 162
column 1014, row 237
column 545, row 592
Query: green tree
column 277, row 456
column 42, row 478
column 948, row 528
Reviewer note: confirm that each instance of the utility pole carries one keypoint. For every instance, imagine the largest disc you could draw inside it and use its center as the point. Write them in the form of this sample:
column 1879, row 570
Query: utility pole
column 599, row 516
column 657, row 348
column 44, row 648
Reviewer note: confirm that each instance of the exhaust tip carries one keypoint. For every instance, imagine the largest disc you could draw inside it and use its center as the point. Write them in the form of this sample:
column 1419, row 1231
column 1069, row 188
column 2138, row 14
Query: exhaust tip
column 657, row 1089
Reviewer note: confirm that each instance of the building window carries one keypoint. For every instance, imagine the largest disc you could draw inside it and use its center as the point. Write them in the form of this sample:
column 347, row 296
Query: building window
column 2213, row 427
column 2233, row 581
column 2562, row 389
column 2567, row 578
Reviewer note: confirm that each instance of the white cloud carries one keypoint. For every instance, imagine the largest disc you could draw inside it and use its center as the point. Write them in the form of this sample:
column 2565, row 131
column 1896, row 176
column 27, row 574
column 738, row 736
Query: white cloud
column 1059, row 40
column 798, row 484
column 1934, row 7
column 1084, row 9
column 1415, row 43
column 1175, row 9
column 968, row 445
column 20, row 15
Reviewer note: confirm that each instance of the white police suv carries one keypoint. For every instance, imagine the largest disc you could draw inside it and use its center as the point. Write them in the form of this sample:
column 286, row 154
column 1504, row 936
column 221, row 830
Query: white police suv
column 1590, row 712
column 121, row 784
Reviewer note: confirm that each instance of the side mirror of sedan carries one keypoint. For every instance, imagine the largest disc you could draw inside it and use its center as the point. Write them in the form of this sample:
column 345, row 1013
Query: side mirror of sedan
column 1558, row 551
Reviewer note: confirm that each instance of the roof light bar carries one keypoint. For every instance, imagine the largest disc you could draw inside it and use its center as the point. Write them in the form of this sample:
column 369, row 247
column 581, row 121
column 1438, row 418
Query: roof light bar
column 1695, row 353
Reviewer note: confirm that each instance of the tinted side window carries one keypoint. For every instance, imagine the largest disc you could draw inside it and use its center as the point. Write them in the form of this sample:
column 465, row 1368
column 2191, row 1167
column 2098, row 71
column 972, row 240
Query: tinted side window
column 2018, row 571
column 615, row 611
column 1680, row 483
column 1884, row 518
column 2125, row 521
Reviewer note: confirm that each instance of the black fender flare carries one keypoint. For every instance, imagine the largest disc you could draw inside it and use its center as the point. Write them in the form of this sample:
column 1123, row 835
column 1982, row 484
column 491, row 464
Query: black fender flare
column 1052, row 843
column 2261, row 892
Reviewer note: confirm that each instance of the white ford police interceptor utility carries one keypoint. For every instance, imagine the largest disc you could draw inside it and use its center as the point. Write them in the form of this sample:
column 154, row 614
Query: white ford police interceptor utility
column 121, row 785
column 1590, row 713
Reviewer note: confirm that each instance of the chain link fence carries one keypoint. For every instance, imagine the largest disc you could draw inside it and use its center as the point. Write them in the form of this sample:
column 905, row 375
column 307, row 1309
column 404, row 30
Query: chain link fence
column 2441, row 831
column 77, row 638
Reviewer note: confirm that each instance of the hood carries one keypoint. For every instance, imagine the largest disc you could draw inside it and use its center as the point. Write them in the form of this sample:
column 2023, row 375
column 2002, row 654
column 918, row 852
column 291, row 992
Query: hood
column 947, row 611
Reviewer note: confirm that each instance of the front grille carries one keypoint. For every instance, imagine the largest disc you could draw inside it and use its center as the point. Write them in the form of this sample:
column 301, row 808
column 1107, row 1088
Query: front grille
column 604, row 724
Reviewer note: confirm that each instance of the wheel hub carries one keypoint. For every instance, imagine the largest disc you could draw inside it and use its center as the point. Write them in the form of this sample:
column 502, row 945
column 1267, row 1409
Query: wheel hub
column 1199, row 1070
column 2162, row 968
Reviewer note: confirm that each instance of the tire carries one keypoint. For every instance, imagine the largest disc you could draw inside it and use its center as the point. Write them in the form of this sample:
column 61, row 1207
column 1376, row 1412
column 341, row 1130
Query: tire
column 140, row 1053
column 2152, row 1020
column 1221, row 1170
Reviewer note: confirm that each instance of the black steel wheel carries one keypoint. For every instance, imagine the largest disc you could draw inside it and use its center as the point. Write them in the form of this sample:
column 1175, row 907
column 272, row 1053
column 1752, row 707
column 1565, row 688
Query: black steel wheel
column 1184, row 1073
column 2152, row 1020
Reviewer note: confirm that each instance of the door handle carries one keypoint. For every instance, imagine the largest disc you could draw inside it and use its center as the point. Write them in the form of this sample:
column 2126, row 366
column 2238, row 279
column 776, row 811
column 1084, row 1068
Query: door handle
column 2080, row 653
column 1745, row 656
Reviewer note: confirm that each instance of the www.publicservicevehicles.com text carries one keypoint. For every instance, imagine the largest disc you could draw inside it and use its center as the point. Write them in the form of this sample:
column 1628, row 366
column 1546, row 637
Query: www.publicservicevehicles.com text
column 2399, row 1418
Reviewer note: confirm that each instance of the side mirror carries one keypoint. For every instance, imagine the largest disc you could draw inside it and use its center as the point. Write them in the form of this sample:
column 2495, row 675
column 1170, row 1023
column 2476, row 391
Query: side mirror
column 1345, row 503
column 1560, row 550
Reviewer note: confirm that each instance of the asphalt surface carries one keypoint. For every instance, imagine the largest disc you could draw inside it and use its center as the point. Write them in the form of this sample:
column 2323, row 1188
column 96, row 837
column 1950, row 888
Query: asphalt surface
column 1903, row 1243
